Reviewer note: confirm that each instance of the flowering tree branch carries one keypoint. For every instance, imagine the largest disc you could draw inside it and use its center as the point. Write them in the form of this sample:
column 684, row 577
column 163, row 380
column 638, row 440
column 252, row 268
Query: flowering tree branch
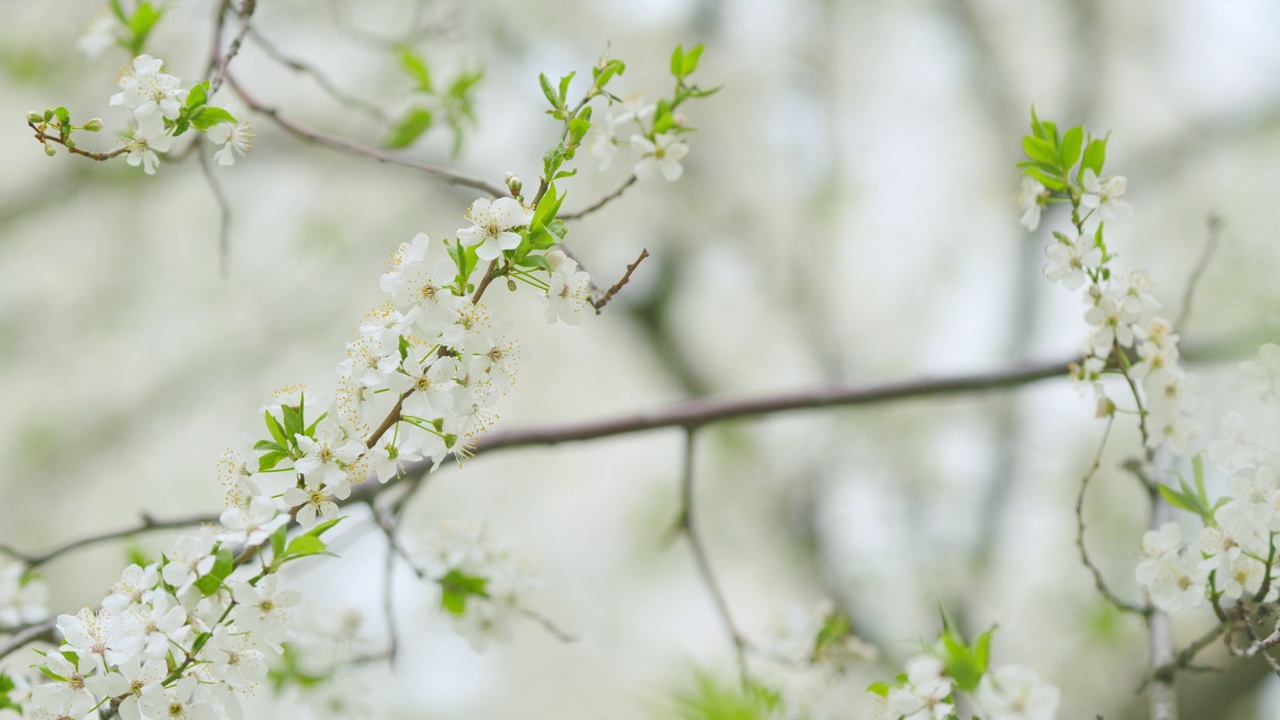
column 631, row 180
column 626, row 277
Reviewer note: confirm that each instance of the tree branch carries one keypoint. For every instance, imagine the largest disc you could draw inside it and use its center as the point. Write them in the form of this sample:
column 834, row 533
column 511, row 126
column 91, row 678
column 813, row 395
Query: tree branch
column 689, row 528
column 601, row 202
column 148, row 524
column 1098, row 580
column 1211, row 242
column 338, row 143
column 626, row 278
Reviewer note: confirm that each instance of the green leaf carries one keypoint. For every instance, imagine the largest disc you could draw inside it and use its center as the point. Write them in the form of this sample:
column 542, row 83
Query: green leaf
column 270, row 460
column 277, row 432
column 1072, row 142
column 51, row 674
column 277, row 541
column 564, row 88
column 198, row 95
column 1036, row 128
column 1176, row 499
column 677, row 61
column 416, row 67
column 6, row 686
column 118, row 11
column 690, row 60
column 1040, row 150
column 64, row 118
column 207, row 116
column 223, row 564
column 549, row 92
column 1197, row 472
column 602, row 75
column 321, row 528
column 305, row 545
column 411, row 127
column 879, row 688
column 293, row 420
column 835, row 628
column 403, row 348
column 1095, row 154
column 457, row 586
column 141, row 23
column 1045, row 179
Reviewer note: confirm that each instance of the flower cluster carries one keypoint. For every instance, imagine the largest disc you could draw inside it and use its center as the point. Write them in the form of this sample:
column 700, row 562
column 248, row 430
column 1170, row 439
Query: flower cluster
column 184, row 637
column 1232, row 560
column 928, row 688
column 1126, row 335
column 483, row 582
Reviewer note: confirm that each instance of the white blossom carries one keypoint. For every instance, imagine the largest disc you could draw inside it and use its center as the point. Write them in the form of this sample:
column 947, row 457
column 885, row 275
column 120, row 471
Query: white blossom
column 1104, row 194
column 493, row 227
column 663, row 153
column 1015, row 692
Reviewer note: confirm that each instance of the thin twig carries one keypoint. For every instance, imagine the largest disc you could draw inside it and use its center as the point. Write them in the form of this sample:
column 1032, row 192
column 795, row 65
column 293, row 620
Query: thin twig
column 335, row 92
column 338, row 143
column 76, row 150
column 689, row 527
column 601, row 202
column 1188, row 654
column 389, row 605
column 626, row 278
column 215, row 44
column 1098, row 579
column 148, row 524
column 34, row 633
column 1162, row 697
column 224, row 212
column 1214, row 223
column 246, row 15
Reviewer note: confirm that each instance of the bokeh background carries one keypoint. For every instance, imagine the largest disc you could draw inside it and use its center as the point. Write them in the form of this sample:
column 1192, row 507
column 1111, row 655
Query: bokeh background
column 845, row 217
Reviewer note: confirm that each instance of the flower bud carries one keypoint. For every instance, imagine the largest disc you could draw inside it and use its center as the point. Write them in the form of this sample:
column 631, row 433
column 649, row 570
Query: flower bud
column 514, row 184
column 93, row 125
column 34, row 117
column 50, row 150
column 1106, row 408
column 48, row 115
column 511, row 285
column 69, row 143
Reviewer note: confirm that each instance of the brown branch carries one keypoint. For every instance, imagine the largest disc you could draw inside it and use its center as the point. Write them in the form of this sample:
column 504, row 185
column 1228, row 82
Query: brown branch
column 689, row 528
column 224, row 211
column 1211, row 242
column 1188, row 654
column 46, row 138
column 1098, row 579
column 339, row 143
column 601, row 202
column 327, row 85
column 626, row 278
column 147, row 525
column 246, row 14
column 34, row 633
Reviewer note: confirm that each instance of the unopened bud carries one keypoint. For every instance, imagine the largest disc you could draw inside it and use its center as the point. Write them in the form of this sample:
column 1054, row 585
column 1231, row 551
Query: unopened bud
column 69, row 143
column 93, row 125
column 50, row 150
column 514, row 184
column 511, row 285
column 1106, row 408
column 48, row 115
column 34, row 117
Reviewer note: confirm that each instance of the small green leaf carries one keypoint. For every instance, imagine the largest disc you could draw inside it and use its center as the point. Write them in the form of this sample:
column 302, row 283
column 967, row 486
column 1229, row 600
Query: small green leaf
column 549, row 92
column 416, row 67
column 564, row 88
column 277, row 432
column 1040, row 150
column 293, row 420
column 1045, row 179
column 6, row 686
column 456, row 587
column 1176, row 499
column 411, row 127
column 323, row 527
column 1095, row 154
column 1072, row 141
column 403, row 348
column 305, row 545
column 198, row 95
column 879, row 688
column 141, row 23
column 277, row 541
column 690, row 61
column 677, row 61
column 270, row 460
column 207, row 116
